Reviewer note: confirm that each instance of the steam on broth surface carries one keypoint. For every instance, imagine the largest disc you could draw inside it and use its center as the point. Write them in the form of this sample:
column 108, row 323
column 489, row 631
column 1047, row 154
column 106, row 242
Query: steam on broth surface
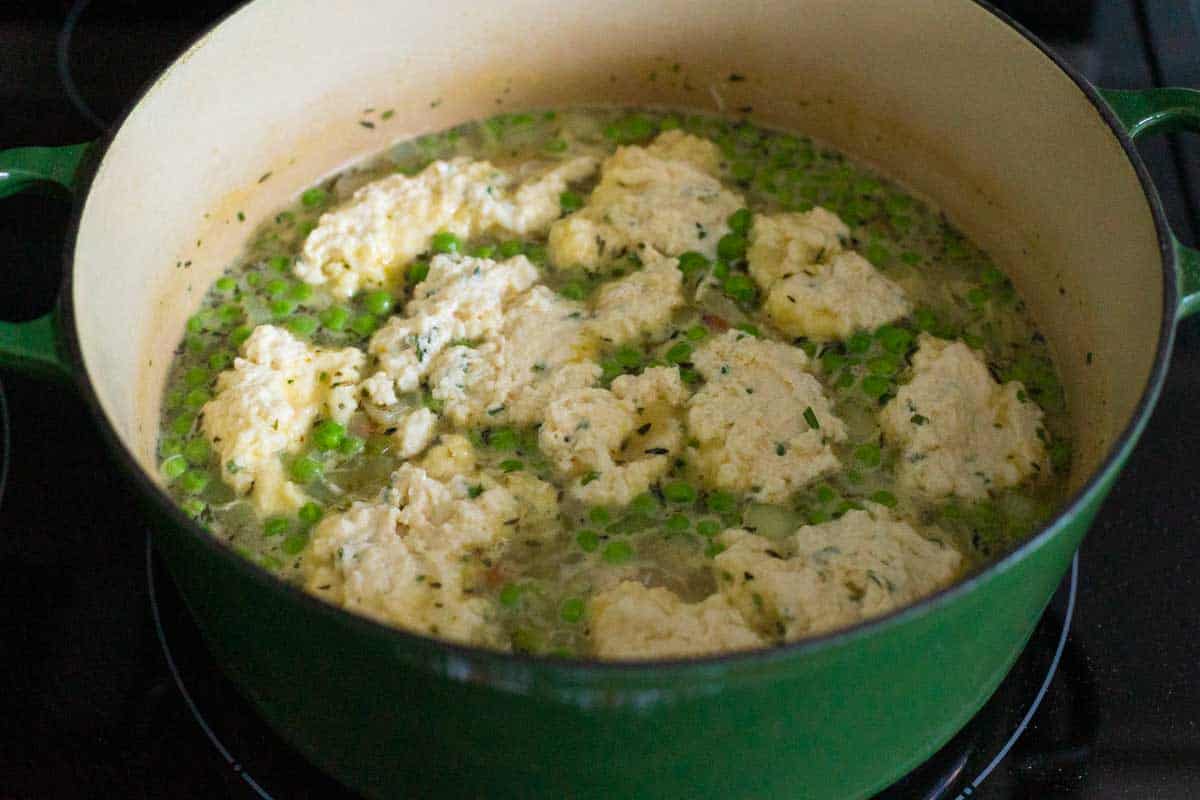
column 615, row 384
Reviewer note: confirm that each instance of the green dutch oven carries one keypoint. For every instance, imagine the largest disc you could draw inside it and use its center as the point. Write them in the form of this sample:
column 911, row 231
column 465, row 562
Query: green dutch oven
column 947, row 96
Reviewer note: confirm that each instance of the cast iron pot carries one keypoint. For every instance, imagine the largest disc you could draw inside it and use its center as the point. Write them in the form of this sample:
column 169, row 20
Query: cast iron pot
column 945, row 95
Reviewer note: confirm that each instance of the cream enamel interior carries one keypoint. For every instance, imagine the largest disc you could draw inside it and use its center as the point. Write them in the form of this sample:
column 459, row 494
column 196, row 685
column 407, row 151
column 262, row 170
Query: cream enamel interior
column 938, row 93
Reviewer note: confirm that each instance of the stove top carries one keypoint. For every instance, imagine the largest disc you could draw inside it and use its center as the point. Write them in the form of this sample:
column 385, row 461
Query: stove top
column 107, row 691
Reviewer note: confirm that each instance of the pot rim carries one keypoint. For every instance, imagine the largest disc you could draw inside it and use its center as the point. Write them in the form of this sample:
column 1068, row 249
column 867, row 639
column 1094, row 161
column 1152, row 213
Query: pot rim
column 655, row 671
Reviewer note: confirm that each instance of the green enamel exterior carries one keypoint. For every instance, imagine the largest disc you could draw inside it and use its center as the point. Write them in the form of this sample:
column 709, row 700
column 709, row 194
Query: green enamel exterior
column 396, row 715
column 402, row 717
column 36, row 346
column 1152, row 111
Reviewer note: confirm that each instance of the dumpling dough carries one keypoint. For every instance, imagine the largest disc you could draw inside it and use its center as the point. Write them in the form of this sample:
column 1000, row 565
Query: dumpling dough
column 265, row 406
column 640, row 304
column 461, row 299
column 612, row 445
column 749, row 418
column 540, row 352
column 832, row 575
column 815, row 288
column 632, row 622
column 961, row 432
column 402, row 561
column 665, row 196
column 389, row 222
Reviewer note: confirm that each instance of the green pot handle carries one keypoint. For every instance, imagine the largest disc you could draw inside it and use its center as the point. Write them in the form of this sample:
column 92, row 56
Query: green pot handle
column 36, row 347
column 1149, row 111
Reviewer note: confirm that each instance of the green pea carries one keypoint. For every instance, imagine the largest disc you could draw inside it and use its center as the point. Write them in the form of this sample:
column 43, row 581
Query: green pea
column 894, row 340
column 510, row 595
column 679, row 492
column 677, row 523
column 740, row 288
column 859, row 342
column 182, row 424
column 417, row 271
column 691, row 261
column 300, row 292
column 279, row 263
column 173, row 467
column 196, row 398
column 679, row 353
column 573, row 290
column 225, row 284
column 696, row 332
column 305, row 470
column 875, row 386
column 170, row 446
column 173, row 399
column 194, row 481
column 253, row 278
column 884, row 498
column 193, row 507
column 569, row 202
column 511, row 465
column 334, row 318
column 714, row 549
column 741, row 171
column 831, row 362
column 571, row 610
column 599, row 515
column 631, row 129
column 445, row 242
column 282, row 307
column 731, row 246
column 219, row 361
column 379, row 303
column 364, row 324
column 818, row 516
column 535, row 253
column 977, row 297
column 845, row 380
column 645, row 504
column 310, row 513
column 721, row 502
column 511, row 248
column 328, row 435
column 739, row 221
column 868, row 455
column 195, row 344
column 617, row 552
column 885, row 365
column 483, row 251
column 720, row 270
column 351, row 446
column 277, row 287
column 196, row 376
column 197, row 452
column 314, row 197
column 588, row 540
column 629, row 357
column 708, row 527
column 239, row 335
column 303, row 325
column 825, row 493
column 925, row 319
column 878, row 254
column 503, row 439
column 294, row 543
column 276, row 526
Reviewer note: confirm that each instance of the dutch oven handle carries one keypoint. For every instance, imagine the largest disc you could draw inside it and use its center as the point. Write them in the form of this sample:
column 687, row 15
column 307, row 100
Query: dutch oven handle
column 36, row 347
column 1149, row 111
